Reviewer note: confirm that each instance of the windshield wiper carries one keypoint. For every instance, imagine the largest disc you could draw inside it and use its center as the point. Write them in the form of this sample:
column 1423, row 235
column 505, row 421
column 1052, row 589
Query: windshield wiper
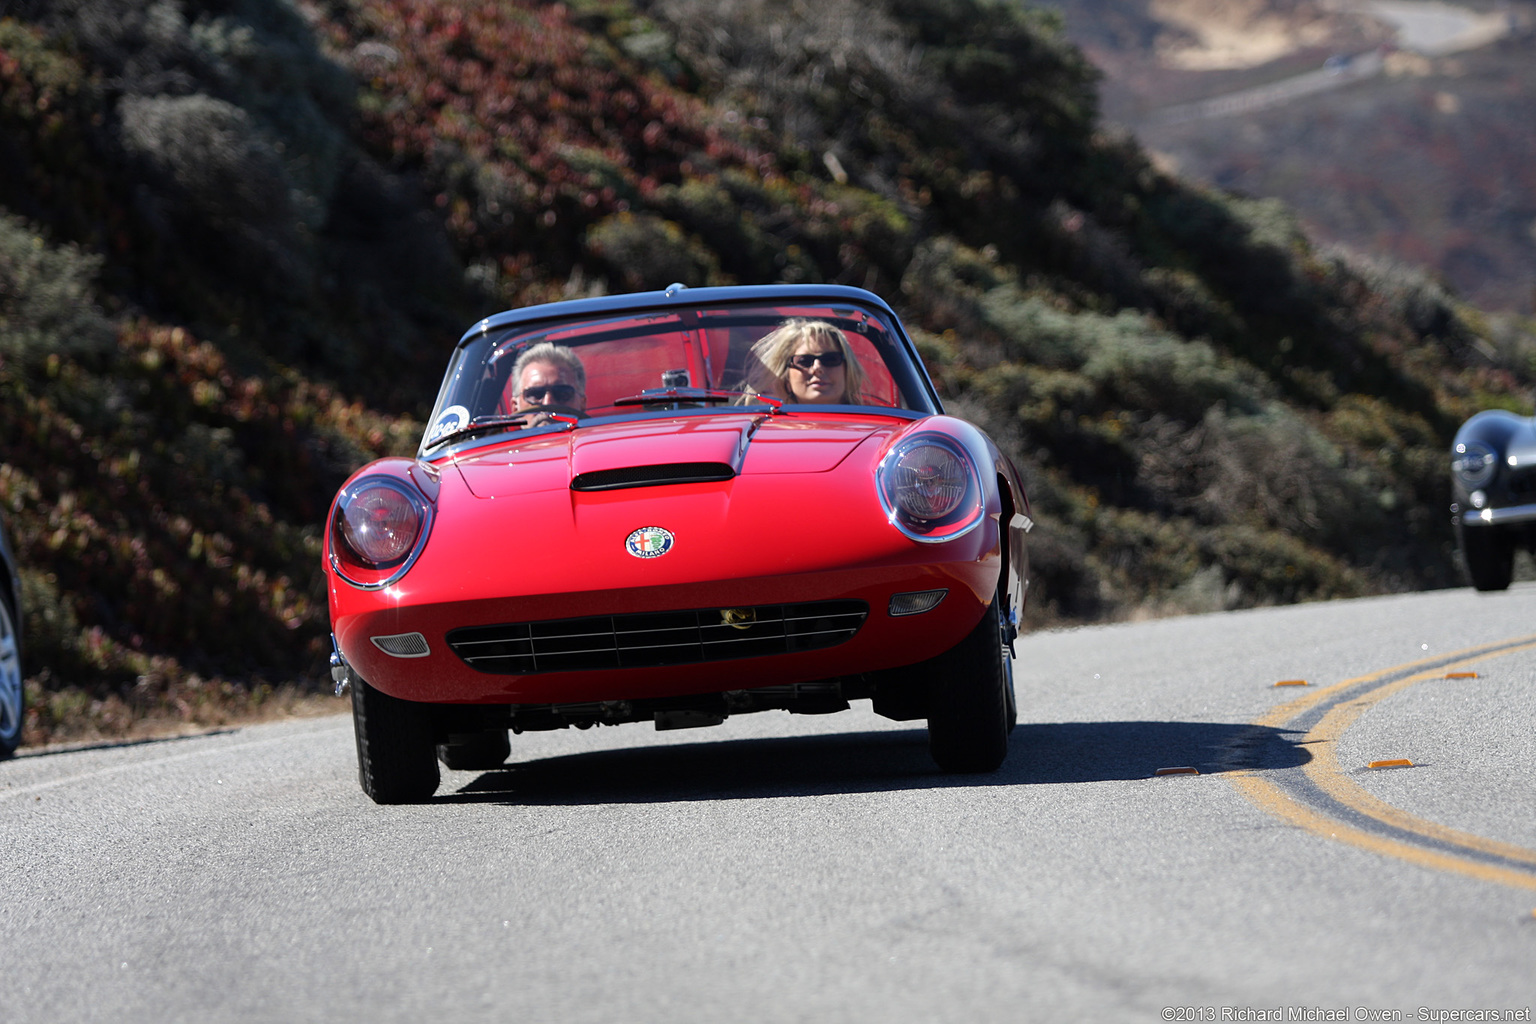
column 677, row 397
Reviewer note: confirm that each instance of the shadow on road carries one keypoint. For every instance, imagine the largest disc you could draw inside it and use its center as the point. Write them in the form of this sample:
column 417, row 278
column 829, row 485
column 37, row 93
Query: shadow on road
column 75, row 748
column 878, row 761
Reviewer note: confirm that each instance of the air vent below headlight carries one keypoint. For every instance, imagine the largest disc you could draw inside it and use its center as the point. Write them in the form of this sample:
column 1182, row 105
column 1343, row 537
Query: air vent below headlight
column 403, row 645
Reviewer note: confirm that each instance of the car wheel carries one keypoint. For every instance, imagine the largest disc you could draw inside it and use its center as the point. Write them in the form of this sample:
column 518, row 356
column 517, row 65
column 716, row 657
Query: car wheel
column 1489, row 555
column 396, row 762
column 475, row 752
column 969, row 700
column 12, row 689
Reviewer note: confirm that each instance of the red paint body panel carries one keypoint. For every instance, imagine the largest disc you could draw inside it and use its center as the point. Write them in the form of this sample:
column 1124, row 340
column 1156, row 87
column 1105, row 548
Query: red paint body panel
column 789, row 444
column 540, row 464
column 782, row 444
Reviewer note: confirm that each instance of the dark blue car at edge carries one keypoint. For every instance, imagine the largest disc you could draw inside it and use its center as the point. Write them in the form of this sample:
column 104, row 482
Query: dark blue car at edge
column 11, row 690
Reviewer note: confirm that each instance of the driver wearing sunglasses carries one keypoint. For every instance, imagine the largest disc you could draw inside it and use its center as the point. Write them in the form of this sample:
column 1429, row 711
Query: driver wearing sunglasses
column 809, row 362
column 550, row 377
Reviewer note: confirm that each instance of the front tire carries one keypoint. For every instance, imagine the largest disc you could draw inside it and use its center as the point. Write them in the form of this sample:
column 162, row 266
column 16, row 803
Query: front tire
column 969, row 705
column 1489, row 555
column 396, row 759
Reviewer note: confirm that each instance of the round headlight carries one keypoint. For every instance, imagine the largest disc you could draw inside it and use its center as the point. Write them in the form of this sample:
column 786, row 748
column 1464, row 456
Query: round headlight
column 930, row 489
column 379, row 524
column 1474, row 463
column 928, row 482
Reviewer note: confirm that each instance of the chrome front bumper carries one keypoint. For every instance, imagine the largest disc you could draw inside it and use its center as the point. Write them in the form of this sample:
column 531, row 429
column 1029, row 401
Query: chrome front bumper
column 1498, row 516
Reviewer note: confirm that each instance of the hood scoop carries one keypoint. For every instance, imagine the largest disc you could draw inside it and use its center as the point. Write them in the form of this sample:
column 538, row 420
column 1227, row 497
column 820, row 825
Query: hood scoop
column 653, row 453
column 652, row 476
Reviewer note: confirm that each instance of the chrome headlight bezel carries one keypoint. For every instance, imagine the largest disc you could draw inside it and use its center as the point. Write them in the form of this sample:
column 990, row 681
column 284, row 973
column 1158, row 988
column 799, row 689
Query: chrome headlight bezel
column 348, row 559
column 1474, row 464
column 967, row 511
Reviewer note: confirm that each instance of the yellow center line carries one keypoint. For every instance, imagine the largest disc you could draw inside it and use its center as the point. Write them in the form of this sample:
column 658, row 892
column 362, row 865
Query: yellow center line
column 1324, row 772
column 1269, row 798
column 1286, row 712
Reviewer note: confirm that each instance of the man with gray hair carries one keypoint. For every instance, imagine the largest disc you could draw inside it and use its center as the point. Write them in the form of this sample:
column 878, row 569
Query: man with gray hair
column 549, row 375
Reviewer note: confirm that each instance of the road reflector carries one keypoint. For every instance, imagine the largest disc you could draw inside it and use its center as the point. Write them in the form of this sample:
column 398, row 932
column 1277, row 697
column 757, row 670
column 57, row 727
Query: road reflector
column 1396, row 762
column 1292, row 682
column 1177, row 771
column 1461, row 675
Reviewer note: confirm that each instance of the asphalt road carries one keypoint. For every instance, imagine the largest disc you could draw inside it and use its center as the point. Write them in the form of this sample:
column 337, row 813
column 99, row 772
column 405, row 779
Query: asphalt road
column 783, row 868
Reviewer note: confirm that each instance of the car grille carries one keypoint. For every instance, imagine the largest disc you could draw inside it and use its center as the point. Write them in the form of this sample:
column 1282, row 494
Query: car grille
column 652, row 639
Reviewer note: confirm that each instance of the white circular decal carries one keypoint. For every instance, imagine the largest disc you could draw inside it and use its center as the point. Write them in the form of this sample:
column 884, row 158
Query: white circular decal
column 649, row 542
column 452, row 418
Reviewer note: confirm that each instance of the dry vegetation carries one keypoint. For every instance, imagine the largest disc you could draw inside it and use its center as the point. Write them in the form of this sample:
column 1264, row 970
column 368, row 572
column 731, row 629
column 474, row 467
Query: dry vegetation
column 237, row 239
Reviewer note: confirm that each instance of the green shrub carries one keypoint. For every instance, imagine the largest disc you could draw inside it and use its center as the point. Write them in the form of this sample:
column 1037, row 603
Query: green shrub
column 47, row 305
column 1145, row 369
column 646, row 252
column 726, row 222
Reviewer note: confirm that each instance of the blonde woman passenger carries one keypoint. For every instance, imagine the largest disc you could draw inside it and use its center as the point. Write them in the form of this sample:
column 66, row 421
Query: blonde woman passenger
column 806, row 361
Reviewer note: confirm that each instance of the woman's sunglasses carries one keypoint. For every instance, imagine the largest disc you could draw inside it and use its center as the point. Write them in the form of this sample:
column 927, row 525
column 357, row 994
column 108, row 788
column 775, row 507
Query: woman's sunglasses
column 806, row 360
column 562, row 393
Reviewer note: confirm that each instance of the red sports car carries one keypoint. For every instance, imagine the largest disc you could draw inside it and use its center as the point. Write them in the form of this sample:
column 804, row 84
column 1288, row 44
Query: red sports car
column 674, row 507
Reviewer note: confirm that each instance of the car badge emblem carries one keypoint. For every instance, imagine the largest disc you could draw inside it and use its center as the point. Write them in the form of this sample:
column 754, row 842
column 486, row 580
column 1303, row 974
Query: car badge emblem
column 649, row 542
column 738, row 618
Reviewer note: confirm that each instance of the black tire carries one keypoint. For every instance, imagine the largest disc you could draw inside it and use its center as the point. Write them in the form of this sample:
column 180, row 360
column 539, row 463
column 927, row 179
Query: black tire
column 1489, row 555
column 475, row 752
column 968, row 700
column 13, row 691
column 396, row 762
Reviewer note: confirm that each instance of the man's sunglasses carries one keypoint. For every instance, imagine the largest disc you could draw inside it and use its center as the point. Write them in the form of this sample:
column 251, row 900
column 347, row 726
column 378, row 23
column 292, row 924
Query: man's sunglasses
column 804, row 361
column 561, row 393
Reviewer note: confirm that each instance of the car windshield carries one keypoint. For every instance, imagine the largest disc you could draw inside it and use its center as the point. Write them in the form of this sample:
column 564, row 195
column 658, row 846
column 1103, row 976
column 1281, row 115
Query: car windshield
column 702, row 356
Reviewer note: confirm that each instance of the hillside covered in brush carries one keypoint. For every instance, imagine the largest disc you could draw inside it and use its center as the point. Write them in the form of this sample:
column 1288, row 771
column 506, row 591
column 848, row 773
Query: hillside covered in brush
column 239, row 237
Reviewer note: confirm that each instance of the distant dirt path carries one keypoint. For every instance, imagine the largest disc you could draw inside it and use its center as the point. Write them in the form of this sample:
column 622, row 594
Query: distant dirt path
column 1426, row 27
column 1435, row 29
